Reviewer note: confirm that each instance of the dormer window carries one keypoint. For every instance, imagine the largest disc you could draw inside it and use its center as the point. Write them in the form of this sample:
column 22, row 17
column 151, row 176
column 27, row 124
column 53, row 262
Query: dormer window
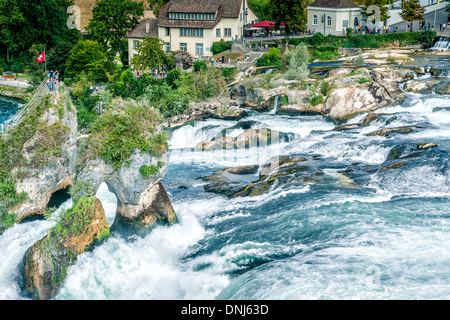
column 192, row 16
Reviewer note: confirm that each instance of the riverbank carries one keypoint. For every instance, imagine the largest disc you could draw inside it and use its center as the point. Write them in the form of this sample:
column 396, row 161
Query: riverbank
column 14, row 91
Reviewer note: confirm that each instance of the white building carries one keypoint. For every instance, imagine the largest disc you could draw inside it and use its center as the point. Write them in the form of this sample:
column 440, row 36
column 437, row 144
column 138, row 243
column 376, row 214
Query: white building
column 194, row 25
column 333, row 16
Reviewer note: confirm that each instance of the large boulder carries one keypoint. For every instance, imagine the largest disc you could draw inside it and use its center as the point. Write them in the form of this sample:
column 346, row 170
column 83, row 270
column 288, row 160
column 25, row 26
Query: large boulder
column 248, row 138
column 46, row 262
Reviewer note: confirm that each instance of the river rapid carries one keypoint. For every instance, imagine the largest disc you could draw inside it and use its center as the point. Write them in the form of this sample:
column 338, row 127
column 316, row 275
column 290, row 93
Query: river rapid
column 383, row 236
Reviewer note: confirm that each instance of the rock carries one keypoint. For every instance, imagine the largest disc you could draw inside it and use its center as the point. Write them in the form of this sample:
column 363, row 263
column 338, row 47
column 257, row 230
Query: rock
column 344, row 127
column 437, row 109
column 46, row 262
column 443, row 87
column 388, row 131
column 154, row 209
column 418, row 86
column 409, row 150
column 393, row 166
column 249, row 138
column 276, row 171
column 250, row 169
column 50, row 154
column 142, row 202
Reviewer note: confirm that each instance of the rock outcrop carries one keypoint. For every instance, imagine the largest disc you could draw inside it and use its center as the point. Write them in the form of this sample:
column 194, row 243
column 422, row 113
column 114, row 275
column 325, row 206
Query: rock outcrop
column 47, row 156
column 248, row 138
column 46, row 262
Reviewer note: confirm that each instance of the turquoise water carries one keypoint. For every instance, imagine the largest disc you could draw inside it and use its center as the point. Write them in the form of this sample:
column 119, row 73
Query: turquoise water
column 8, row 108
column 384, row 236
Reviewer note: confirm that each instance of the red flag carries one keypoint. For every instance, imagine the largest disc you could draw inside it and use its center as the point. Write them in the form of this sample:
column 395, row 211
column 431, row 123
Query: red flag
column 41, row 58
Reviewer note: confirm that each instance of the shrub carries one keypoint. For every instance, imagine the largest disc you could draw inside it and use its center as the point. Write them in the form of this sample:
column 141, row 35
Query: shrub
column 220, row 46
column 200, row 65
column 297, row 63
column 359, row 61
column 272, row 58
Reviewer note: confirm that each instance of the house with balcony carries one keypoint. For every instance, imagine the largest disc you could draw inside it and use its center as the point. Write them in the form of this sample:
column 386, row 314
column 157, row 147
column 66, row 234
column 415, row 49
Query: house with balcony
column 333, row 16
column 194, row 25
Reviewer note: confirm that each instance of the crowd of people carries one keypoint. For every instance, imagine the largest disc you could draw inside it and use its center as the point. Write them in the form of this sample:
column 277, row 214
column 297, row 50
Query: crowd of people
column 52, row 80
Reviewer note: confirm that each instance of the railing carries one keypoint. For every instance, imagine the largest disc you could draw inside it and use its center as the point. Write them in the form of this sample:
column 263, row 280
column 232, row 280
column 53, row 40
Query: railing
column 28, row 106
column 41, row 88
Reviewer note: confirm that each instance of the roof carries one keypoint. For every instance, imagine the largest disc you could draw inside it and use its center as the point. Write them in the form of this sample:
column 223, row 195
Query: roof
column 222, row 9
column 140, row 30
column 334, row 4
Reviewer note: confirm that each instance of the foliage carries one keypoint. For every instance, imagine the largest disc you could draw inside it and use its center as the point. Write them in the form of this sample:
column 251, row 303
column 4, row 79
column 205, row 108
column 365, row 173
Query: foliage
column 382, row 4
column 272, row 58
column 155, row 5
column 172, row 77
column 126, row 126
column 261, row 8
column 24, row 23
column 110, row 23
column 412, row 11
column 148, row 171
column 200, row 65
column 359, row 61
column 291, row 12
column 220, row 46
column 129, row 86
column 150, row 54
column 297, row 62
column 87, row 57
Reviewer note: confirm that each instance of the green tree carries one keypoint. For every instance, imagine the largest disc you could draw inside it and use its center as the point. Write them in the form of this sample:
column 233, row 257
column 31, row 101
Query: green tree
column 412, row 11
column 290, row 12
column 87, row 57
column 382, row 4
column 111, row 21
column 150, row 54
column 297, row 62
column 261, row 8
column 155, row 5
column 24, row 23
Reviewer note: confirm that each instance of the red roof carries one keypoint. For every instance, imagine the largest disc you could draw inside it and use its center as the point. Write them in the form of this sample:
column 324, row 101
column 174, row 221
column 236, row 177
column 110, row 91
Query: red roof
column 266, row 24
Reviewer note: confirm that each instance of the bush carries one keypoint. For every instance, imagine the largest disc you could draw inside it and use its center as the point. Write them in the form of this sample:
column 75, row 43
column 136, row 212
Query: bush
column 359, row 61
column 297, row 63
column 272, row 58
column 200, row 65
column 172, row 77
column 220, row 46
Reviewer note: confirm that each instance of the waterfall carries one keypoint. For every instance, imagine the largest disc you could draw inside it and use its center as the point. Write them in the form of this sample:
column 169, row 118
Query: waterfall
column 442, row 45
column 276, row 104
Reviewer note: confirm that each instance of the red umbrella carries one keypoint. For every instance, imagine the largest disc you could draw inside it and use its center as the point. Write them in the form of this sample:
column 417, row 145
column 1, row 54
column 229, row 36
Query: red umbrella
column 266, row 24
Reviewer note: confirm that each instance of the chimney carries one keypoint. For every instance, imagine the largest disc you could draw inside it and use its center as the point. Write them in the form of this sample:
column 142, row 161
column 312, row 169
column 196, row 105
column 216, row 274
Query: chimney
column 147, row 28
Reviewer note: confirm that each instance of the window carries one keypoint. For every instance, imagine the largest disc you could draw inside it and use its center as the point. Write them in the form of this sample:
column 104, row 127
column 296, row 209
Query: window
column 356, row 22
column 227, row 32
column 218, row 33
column 329, row 21
column 135, row 44
column 315, row 20
column 199, row 49
column 167, row 31
column 167, row 46
column 191, row 32
column 344, row 23
column 183, row 46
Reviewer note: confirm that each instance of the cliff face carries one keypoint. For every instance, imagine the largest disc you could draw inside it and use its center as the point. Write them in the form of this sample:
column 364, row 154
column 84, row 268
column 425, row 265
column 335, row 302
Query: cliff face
column 44, row 153
column 55, row 140
column 141, row 199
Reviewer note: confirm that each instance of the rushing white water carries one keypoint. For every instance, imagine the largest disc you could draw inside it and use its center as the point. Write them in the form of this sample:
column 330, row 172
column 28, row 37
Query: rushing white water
column 443, row 44
column 385, row 238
